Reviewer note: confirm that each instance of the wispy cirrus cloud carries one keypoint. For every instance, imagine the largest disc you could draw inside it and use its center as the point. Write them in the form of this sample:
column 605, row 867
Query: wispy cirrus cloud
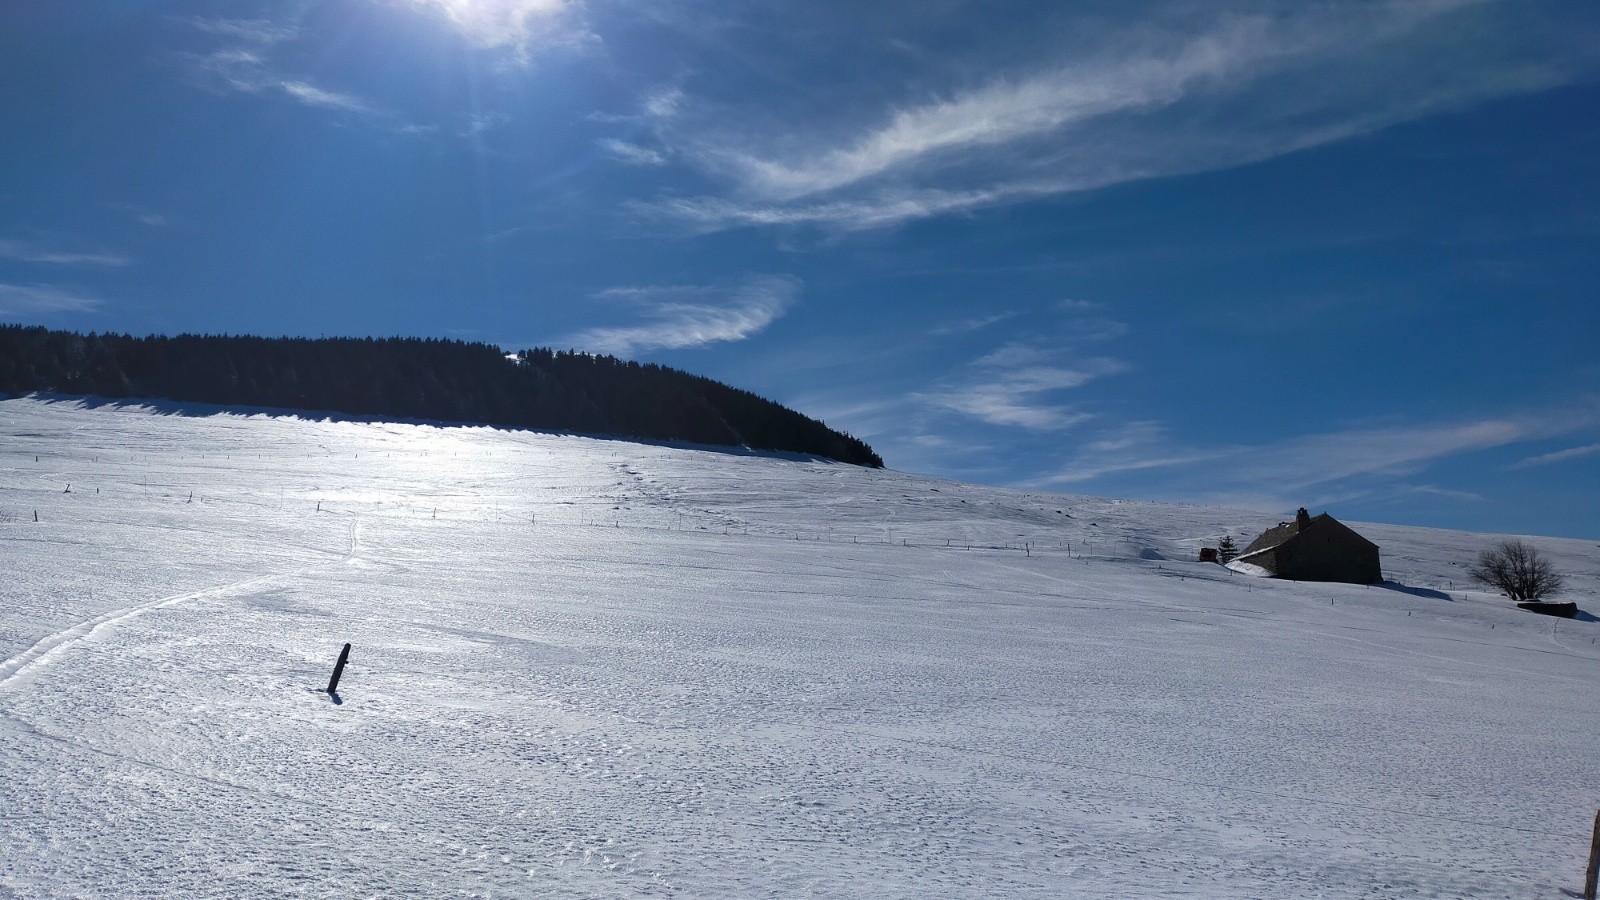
column 677, row 317
column 976, row 323
column 245, row 66
column 1445, row 493
column 1558, row 456
column 656, row 105
column 260, row 32
column 33, row 252
column 1006, row 111
column 1020, row 385
column 36, row 299
column 632, row 154
column 1019, row 397
column 1148, row 103
column 482, row 123
column 663, row 103
column 140, row 214
column 1317, row 461
column 1129, row 447
column 311, row 95
column 703, row 215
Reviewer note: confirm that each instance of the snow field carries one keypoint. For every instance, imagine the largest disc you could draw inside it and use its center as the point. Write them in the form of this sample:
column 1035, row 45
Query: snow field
column 568, row 680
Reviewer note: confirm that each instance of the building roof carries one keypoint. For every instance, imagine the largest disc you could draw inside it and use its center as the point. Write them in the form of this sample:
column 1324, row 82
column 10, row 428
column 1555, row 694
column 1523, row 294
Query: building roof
column 1272, row 537
column 1283, row 532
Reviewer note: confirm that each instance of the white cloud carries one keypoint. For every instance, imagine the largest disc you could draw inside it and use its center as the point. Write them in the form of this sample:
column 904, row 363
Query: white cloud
column 1147, row 103
column 685, row 316
column 1018, row 385
column 311, row 95
column 232, row 69
column 978, row 323
column 663, row 103
column 245, row 67
column 482, row 123
column 658, row 105
column 1318, row 460
column 881, row 209
column 1558, row 456
column 253, row 31
column 516, row 26
column 1132, row 447
column 632, row 154
column 1008, row 110
column 246, row 72
column 504, row 233
column 140, row 214
column 1016, row 399
column 31, row 299
column 23, row 251
column 1446, row 493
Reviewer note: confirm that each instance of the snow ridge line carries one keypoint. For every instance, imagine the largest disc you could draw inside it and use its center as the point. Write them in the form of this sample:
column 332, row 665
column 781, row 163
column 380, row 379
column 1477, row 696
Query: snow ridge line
column 52, row 647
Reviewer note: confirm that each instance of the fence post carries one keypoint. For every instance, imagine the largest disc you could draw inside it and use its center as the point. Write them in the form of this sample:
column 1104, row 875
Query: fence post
column 1593, row 874
column 338, row 670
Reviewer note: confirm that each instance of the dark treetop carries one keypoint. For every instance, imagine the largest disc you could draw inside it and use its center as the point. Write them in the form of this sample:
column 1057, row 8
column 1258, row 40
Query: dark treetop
column 416, row 378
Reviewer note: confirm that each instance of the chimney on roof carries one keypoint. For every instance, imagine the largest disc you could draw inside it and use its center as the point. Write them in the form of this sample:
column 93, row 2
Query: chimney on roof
column 1302, row 518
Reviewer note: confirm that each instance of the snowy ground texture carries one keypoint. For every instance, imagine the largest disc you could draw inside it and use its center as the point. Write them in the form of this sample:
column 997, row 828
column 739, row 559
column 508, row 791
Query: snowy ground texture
column 592, row 668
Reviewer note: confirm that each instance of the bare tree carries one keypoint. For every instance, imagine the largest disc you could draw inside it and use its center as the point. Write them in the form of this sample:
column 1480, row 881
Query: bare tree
column 1517, row 570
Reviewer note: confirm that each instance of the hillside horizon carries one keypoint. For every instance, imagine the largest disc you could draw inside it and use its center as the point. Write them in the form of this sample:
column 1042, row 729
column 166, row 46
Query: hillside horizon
column 1268, row 517
column 418, row 379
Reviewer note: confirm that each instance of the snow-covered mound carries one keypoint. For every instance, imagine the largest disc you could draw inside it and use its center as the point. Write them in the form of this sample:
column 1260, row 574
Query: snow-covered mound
column 594, row 668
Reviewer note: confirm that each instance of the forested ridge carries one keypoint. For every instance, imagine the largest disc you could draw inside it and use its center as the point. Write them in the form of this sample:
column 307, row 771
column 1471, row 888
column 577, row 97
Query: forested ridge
column 418, row 378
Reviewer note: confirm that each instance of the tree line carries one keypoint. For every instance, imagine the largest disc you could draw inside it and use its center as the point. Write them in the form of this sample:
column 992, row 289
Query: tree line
column 418, row 378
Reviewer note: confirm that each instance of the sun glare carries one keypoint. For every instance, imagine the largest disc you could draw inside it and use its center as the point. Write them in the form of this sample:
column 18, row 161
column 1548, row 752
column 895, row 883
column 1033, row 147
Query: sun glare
column 500, row 23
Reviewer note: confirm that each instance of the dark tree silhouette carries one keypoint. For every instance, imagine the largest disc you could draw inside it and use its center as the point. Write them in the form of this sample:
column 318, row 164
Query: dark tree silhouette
column 415, row 378
column 1227, row 550
column 1517, row 570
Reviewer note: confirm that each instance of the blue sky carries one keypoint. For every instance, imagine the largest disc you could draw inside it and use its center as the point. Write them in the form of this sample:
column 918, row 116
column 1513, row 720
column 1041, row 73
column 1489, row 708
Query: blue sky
column 1338, row 254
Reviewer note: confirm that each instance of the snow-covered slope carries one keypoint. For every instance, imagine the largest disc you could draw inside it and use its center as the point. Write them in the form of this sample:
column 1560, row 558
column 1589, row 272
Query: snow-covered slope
column 597, row 668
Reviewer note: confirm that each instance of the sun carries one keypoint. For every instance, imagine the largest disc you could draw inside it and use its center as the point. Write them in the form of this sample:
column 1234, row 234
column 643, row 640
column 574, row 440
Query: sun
column 502, row 23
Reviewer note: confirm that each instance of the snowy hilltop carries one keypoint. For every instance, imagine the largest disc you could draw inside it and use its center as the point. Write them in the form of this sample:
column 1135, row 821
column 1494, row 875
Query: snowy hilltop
column 593, row 668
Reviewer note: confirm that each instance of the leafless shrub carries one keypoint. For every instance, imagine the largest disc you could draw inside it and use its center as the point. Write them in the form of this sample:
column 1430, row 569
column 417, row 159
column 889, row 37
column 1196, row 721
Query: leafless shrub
column 1517, row 570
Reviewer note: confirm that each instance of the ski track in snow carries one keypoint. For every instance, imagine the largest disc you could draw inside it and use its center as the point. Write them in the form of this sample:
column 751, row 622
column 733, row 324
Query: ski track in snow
column 589, row 668
column 52, row 647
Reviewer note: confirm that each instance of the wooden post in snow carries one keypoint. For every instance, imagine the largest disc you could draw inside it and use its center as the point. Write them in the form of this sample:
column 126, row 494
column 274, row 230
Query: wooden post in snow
column 1591, row 878
column 338, row 669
